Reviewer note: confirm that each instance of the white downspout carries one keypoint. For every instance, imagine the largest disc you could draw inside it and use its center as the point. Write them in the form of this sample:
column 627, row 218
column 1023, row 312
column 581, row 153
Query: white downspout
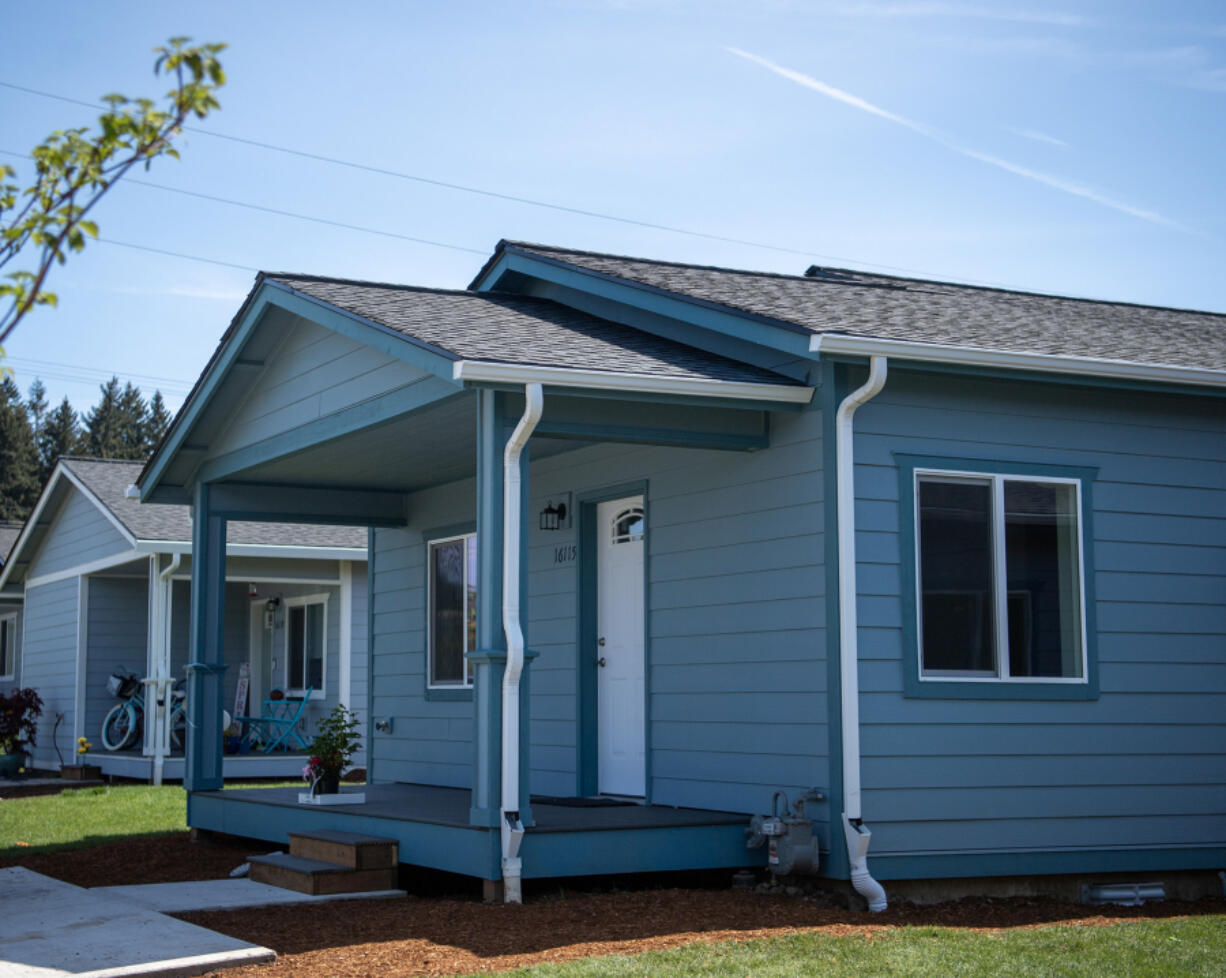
column 857, row 836
column 162, row 682
column 512, row 829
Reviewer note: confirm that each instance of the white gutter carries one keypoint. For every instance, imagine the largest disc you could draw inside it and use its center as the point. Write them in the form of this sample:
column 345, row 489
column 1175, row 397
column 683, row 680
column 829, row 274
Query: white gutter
column 512, row 520
column 857, row 836
column 835, row 343
column 257, row 550
column 161, row 681
column 509, row 373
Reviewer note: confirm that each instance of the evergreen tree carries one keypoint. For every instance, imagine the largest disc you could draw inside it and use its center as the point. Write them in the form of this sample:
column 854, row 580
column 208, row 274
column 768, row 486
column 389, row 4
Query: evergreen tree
column 60, row 435
column 103, row 424
column 19, row 485
column 157, row 423
column 133, row 419
column 36, row 406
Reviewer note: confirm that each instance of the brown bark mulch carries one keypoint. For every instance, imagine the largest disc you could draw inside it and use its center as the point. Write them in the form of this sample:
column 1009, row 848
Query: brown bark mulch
column 425, row 935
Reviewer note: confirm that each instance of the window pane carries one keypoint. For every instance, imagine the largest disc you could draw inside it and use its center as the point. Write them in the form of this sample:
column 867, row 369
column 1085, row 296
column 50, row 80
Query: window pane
column 447, row 625
column 1041, row 557
column 6, row 646
column 315, row 645
column 958, row 611
column 297, row 622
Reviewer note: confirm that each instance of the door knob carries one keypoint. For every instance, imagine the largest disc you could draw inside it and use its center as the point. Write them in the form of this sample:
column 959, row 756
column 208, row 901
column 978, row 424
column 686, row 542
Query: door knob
column 600, row 662
column 600, row 641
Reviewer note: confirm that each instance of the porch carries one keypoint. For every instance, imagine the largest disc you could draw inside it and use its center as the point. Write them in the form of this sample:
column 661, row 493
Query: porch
column 433, row 828
column 139, row 766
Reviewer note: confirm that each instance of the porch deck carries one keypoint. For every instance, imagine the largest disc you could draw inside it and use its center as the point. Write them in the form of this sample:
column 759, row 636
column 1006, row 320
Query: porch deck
column 135, row 764
column 432, row 826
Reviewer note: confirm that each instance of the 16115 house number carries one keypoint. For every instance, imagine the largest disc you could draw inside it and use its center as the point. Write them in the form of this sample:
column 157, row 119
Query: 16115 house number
column 565, row 554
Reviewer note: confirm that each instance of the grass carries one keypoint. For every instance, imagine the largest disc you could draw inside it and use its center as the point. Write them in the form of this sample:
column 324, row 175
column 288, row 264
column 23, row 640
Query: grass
column 1176, row 948
column 81, row 817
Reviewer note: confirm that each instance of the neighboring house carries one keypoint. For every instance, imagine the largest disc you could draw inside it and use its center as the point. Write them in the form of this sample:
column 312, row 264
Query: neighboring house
column 953, row 556
column 106, row 585
column 10, row 616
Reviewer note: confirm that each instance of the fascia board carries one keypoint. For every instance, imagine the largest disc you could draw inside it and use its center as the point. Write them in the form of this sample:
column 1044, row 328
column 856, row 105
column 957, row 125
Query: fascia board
column 777, row 333
column 480, row 371
column 1102, row 368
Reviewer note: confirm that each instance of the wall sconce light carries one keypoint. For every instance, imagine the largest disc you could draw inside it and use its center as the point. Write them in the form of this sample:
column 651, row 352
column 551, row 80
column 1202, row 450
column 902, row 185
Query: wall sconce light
column 270, row 612
column 552, row 516
column 253, row 591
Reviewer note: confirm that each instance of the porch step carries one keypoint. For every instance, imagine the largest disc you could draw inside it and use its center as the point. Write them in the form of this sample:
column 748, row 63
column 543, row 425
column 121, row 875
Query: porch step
column 349, row 849
column 316, row 878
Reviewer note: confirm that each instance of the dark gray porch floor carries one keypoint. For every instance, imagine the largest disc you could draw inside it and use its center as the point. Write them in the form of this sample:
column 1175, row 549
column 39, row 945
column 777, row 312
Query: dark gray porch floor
column 450, row 807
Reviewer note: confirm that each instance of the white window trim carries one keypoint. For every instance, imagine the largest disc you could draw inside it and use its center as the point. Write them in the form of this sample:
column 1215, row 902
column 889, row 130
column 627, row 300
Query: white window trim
column 467, row 680
column 1000, row 595
column 9, row 620
column 306, row 599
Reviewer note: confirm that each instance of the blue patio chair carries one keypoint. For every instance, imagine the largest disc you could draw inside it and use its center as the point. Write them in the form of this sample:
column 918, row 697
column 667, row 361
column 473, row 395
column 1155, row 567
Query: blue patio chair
column 277, row 724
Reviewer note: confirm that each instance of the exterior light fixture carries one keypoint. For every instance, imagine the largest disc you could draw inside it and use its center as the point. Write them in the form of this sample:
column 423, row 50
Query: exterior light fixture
column 552, row 516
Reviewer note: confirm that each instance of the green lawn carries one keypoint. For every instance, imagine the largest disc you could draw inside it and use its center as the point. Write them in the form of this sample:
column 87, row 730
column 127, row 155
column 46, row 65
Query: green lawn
column 82, row 817
column 1191, row 947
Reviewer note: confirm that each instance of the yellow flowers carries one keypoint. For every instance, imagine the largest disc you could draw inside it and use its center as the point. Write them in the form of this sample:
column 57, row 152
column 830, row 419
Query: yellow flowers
column 83, row 745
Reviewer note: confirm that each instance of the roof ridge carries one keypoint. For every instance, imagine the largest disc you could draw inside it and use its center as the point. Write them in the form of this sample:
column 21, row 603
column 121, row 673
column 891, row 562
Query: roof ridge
column 855, row 271
column 108, row 461
column 400, row 286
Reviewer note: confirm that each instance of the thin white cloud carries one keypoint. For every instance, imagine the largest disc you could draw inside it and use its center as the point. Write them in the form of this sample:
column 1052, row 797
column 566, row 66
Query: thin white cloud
column 1036, row 136
column 1056, row 183
column 1054, row 18
column 190, row 292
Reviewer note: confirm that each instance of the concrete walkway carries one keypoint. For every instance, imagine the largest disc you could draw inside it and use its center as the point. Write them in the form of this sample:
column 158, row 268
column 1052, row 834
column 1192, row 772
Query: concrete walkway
column 50, row 929
column 223, row 895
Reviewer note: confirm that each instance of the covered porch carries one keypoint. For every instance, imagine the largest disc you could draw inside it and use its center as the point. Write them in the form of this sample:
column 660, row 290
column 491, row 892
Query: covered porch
column 371, row 449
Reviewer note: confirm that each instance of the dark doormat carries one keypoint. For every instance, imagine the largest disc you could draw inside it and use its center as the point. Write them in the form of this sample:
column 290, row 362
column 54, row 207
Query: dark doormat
column 580, row 802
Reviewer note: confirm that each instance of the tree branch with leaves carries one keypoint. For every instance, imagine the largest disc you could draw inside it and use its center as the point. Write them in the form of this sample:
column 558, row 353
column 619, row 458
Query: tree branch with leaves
column 74, row 168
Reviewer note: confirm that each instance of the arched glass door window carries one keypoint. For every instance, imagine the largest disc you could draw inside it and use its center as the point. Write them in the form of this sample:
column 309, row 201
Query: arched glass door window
column 628, row 525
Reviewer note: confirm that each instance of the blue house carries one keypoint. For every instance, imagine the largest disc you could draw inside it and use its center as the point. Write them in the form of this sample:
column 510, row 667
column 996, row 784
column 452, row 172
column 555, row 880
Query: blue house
column 106, row 586
column 10, row 615
column 651, row 542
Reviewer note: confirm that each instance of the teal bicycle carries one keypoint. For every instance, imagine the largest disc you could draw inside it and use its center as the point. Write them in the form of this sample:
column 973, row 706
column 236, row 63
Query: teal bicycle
column 124, row 722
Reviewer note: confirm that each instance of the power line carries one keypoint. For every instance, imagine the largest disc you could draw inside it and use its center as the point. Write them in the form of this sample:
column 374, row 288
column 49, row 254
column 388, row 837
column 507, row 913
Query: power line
column 33, row 363
column 178, row 254
column 496, row 195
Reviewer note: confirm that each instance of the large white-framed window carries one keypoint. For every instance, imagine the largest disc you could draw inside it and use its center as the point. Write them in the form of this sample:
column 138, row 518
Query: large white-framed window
column 306, row 645
column 1000, row 577
column 451, row 610
column 8, row 646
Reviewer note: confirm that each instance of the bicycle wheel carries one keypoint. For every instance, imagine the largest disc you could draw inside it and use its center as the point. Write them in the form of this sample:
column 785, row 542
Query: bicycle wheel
column 120, row 727
column 178, row 729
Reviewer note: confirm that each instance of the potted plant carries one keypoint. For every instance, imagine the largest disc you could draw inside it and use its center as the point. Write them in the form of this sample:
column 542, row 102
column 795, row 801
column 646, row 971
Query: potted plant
column 81, row 771
column 19, row 713
column 332, row 750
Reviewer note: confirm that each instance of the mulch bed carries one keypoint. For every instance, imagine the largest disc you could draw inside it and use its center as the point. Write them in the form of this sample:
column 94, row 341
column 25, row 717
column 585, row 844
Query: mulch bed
column 426, row 935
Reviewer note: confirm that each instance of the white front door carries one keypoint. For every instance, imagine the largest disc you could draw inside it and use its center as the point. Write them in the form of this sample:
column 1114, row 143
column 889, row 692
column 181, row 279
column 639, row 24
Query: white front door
column 621, row 705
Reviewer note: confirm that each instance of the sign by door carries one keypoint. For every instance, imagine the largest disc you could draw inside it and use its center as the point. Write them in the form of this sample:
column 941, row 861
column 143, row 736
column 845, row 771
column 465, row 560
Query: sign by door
column 240, row 691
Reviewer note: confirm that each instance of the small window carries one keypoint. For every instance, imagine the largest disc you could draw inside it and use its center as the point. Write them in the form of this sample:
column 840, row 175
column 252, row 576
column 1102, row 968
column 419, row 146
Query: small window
column 305, row 644
column 452, row 610
column 8, row 647
column 628, row 525
column 1000, row 581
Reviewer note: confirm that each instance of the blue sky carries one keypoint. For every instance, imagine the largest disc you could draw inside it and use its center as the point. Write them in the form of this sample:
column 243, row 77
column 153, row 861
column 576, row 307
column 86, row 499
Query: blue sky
column 1067, row 147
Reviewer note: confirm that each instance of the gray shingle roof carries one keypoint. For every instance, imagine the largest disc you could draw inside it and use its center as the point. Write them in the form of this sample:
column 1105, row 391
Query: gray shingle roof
column 829, row 300
column 522, row 330
column 9, row 532
column 109, row 479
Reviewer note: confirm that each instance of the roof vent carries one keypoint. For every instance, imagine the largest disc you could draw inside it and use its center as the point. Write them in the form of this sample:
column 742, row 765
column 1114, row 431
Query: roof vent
column 131, row 492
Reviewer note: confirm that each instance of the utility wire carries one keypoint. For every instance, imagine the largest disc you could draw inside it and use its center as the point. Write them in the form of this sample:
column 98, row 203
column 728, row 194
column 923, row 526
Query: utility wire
column 514, row 198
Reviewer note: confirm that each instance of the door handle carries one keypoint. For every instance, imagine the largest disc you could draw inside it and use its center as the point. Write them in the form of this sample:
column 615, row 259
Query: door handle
column 600, row 641
column 600, row 662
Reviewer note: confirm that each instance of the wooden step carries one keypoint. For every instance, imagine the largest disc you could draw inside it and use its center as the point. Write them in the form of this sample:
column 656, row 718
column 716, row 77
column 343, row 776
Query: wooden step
column 345, row 849
column 317, row 878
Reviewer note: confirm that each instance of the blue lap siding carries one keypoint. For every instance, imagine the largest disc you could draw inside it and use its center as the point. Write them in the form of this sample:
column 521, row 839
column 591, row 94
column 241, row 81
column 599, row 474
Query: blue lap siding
column 1140, row 765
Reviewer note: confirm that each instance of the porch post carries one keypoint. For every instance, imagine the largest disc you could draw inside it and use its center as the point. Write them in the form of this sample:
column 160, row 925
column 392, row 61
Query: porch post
column 207, row 666
column 493, row 429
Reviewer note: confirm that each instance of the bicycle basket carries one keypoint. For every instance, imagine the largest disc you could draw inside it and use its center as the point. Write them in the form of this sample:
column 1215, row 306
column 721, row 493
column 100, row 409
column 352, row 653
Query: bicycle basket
column 121, row 685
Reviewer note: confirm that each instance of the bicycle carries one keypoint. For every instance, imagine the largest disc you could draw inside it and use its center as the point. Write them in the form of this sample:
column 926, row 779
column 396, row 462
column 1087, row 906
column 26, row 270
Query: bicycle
column 122, row 726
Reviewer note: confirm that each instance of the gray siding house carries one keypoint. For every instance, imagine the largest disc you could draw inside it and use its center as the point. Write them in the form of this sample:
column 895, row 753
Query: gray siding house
column 106, row 587
column 10, row 616
column 652, row 542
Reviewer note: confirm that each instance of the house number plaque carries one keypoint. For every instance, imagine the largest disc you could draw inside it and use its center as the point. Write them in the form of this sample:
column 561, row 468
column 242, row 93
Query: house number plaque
column 565, row 554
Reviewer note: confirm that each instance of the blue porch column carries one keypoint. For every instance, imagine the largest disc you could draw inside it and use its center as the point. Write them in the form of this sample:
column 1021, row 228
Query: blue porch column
column 494, row 427
column 206, row 668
